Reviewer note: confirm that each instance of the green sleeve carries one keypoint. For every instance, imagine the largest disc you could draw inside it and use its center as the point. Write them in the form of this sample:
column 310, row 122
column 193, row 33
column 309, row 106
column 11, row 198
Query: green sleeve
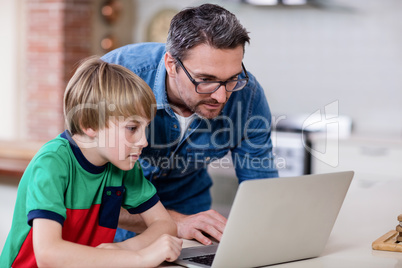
column 140, row 193
column 47, row 175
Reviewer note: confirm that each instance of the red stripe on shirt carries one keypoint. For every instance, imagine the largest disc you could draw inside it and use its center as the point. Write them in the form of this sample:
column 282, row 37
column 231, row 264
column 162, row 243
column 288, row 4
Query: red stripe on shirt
column 81, row 226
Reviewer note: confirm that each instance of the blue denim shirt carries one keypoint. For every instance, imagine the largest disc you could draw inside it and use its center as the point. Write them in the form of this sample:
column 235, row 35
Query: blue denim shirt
column 178, row 168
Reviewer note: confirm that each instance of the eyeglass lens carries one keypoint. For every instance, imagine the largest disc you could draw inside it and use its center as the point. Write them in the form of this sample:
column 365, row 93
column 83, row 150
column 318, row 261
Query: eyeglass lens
column 231, row 85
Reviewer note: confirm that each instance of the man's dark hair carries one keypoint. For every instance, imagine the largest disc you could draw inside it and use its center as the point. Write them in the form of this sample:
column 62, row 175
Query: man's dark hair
column 207, row 24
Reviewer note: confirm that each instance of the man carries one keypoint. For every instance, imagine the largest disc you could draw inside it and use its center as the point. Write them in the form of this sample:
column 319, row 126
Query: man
column 207, row 105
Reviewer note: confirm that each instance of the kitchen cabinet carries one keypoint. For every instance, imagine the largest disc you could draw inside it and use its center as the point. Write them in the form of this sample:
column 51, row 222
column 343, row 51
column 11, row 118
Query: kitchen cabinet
column 372, row 158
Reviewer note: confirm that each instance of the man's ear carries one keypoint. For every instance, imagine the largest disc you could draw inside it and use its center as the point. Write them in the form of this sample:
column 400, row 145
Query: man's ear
column 170, row 64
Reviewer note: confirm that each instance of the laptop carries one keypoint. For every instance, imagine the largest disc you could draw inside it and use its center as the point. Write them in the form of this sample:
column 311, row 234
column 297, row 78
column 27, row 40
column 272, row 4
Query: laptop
column 275, row 221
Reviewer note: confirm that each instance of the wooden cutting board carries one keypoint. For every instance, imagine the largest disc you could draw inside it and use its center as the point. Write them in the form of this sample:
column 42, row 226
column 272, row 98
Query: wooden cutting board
column 388, row 242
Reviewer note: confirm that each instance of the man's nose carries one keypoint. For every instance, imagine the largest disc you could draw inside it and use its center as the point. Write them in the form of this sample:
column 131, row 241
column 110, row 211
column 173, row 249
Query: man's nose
column 220, row 94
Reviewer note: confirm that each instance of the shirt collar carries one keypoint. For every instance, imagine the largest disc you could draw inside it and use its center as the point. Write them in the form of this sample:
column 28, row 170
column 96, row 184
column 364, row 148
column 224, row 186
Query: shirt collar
column 160, row 89
column 85, row 164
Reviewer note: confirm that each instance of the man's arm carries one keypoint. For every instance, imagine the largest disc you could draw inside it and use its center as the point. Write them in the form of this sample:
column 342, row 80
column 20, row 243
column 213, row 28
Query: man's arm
column 197, row 226
column 253, row 157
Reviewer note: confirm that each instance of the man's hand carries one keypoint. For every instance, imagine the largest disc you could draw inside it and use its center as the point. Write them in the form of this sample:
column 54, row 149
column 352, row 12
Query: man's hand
column 196, row 226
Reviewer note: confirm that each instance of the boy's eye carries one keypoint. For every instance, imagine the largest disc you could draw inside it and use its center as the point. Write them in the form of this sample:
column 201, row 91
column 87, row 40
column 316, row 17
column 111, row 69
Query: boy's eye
column 132, row 129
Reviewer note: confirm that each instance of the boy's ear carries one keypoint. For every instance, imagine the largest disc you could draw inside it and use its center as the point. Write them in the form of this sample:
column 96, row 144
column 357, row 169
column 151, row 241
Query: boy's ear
column 90, row 132
column 170, row 65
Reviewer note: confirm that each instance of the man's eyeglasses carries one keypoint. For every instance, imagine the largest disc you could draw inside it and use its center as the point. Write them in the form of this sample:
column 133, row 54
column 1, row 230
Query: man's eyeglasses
column 209, row 87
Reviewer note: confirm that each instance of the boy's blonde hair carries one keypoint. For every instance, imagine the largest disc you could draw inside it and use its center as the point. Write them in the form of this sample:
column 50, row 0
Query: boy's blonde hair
column 99, row 90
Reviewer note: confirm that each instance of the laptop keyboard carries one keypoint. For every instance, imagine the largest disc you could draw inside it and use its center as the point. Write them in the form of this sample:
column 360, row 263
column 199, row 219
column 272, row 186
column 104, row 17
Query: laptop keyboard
column 204, row 259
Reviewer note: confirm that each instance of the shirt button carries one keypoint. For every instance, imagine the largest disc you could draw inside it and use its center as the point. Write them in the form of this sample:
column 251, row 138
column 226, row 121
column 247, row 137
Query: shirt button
column 207, row 158
column 175, row 126
column 155, row 177
column 164, row 174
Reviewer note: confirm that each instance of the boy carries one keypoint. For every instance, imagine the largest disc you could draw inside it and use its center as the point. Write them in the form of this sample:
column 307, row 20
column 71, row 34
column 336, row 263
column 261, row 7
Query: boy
column 72, row 191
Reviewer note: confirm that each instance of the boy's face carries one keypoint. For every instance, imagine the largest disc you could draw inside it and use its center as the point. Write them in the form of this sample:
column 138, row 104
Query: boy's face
column 122, row 142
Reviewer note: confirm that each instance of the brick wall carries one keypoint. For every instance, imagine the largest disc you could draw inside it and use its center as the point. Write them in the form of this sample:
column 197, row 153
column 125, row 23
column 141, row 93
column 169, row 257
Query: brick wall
column 58, row 36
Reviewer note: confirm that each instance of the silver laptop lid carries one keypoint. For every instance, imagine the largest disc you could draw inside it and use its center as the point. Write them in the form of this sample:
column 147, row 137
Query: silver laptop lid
column 277, row 220
column 282, row 219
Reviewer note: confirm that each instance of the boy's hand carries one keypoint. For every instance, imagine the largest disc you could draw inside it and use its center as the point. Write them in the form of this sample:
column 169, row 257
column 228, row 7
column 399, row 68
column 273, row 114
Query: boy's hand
column 195, row 226
column 165, row 248
column 109, row 246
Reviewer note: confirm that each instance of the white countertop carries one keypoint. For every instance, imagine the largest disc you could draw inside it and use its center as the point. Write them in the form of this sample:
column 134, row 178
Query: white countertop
column 369, row 211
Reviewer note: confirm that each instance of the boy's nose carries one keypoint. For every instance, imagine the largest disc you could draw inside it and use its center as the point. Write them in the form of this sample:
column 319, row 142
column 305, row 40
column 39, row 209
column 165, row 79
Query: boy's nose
column 143, row 142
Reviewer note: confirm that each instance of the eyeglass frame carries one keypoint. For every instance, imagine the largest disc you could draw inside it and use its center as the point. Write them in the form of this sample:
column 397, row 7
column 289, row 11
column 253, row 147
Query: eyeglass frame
column 222, row 83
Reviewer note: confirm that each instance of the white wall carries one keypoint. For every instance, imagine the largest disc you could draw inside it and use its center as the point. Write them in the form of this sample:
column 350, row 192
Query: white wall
column 9, row 35
column 308, row 57
column 305, row 58
column 8, row 196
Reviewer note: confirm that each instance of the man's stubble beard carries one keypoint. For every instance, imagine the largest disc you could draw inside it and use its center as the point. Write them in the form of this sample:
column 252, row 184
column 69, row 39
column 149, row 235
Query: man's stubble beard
column 209, row 114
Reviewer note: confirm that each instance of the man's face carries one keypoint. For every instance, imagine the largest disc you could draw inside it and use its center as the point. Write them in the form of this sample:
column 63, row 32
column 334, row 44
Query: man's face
column 203, row 63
